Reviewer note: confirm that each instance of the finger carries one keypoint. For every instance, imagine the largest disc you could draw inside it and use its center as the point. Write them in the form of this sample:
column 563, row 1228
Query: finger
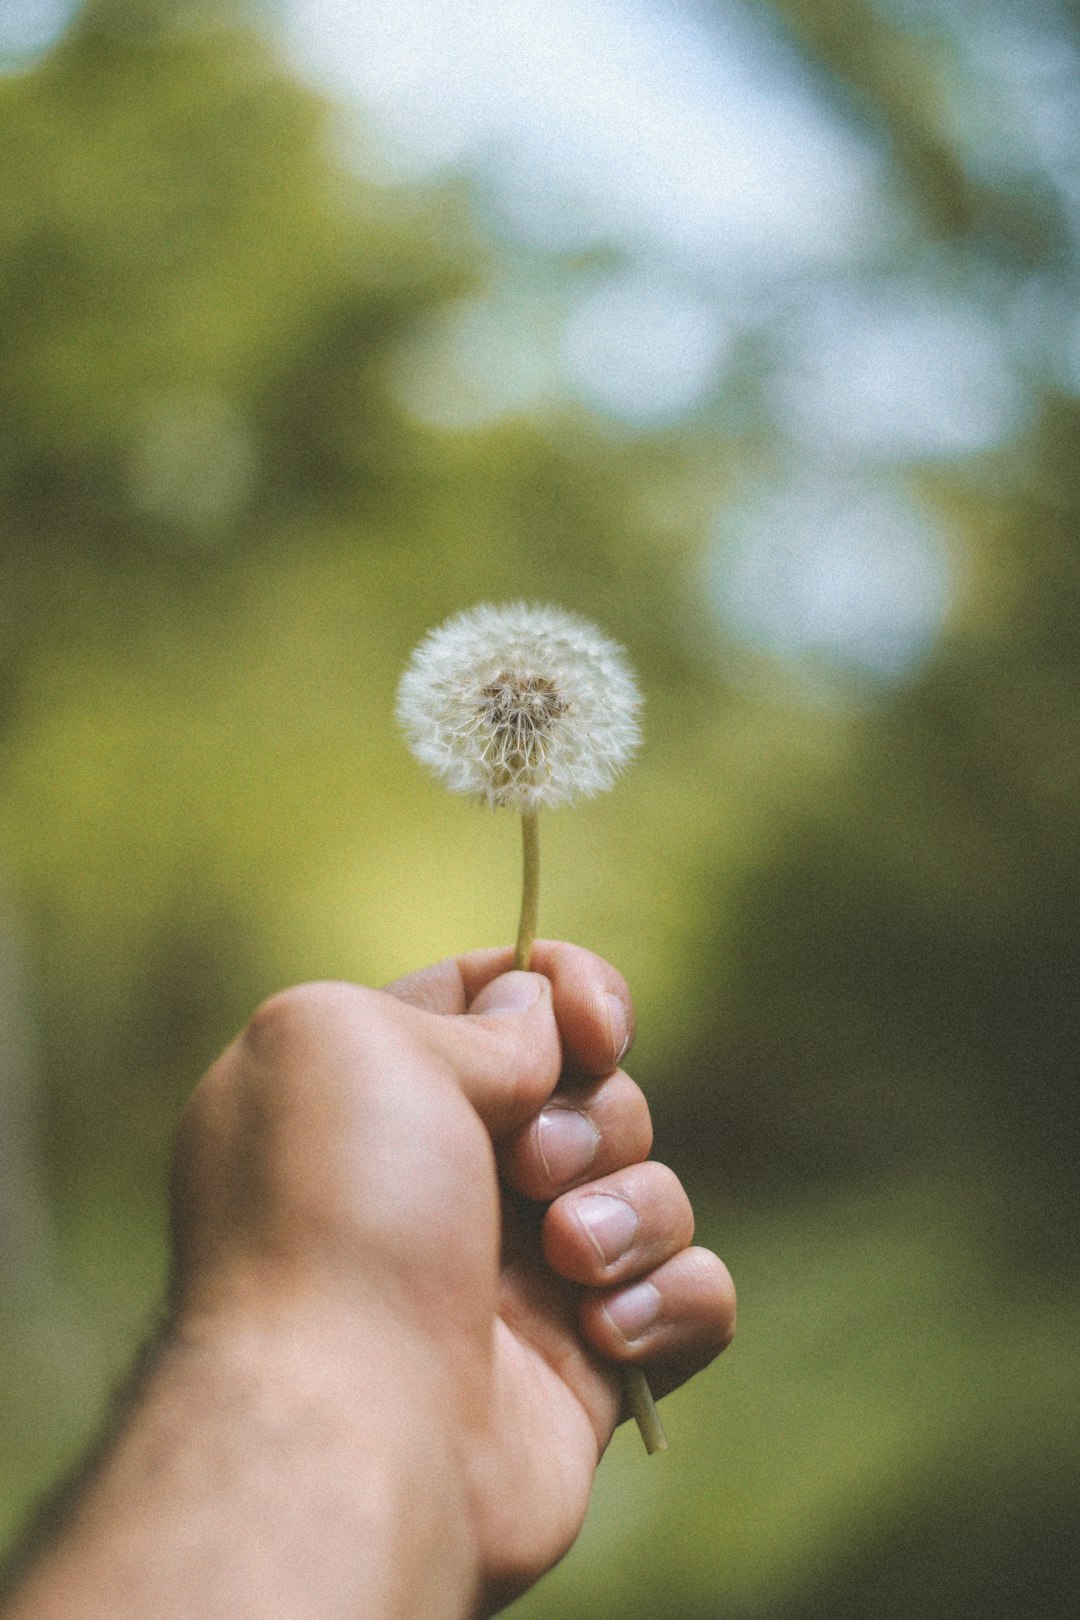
column 505, row 1052
column 585, row 1131
column 593, row 1008
column 505, row 1056
column 675, row 1321
column 448, row 986
column 623, row 1226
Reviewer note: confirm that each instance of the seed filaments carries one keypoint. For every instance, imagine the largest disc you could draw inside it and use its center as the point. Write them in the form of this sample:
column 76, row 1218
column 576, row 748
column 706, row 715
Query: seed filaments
column 527, row 707
column 518, row 714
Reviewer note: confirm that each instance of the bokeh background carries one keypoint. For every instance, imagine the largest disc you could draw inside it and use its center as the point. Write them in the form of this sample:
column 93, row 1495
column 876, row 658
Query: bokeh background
column 752, row 331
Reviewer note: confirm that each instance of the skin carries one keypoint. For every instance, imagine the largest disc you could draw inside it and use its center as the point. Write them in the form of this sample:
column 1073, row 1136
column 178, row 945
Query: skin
column 391, row 1362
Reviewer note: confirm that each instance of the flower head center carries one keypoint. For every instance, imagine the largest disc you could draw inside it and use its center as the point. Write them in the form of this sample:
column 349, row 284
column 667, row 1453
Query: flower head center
column 518, row 713
column 514, row 701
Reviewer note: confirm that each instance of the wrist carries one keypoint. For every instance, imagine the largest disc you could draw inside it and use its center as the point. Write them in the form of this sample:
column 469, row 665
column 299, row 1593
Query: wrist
column 353, row 1421
column 268, row 1468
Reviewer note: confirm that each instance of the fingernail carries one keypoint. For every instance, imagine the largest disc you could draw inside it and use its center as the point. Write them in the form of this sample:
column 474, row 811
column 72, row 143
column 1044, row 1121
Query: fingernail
column 567, row 1141
column 620, row 1032
column 610, row 1223
column 634, row 1310
column 511, row 993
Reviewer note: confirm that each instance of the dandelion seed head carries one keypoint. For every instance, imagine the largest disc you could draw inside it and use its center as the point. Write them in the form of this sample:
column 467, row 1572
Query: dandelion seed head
column 526, row 707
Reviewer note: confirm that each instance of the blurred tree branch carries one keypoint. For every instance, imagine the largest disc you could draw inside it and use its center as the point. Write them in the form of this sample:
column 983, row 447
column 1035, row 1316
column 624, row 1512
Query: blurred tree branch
column 898, row 80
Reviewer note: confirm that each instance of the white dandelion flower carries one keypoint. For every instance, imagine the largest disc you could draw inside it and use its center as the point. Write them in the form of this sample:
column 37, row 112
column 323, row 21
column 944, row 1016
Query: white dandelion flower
column 526, row 707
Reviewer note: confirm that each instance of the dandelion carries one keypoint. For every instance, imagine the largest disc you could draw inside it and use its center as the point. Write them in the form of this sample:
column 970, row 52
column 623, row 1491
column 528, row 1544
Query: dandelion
column 527, row 708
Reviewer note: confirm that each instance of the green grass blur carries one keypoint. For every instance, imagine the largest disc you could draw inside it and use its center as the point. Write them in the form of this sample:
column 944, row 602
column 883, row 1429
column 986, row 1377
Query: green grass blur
column 852, row 927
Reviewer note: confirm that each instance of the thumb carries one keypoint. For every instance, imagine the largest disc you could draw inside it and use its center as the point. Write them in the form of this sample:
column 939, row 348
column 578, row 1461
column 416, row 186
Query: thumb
column 506, row 1049
column 509, row 993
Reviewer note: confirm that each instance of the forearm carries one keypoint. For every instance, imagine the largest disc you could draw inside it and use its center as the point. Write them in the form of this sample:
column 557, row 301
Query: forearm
column 263, row 1476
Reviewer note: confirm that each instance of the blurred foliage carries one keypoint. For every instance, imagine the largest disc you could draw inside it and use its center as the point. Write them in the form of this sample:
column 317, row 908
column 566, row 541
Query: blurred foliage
column 852, row 928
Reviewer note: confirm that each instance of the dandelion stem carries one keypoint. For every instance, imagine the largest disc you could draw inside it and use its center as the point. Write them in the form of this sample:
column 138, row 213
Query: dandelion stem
column 639, row 1397
column 530, row 888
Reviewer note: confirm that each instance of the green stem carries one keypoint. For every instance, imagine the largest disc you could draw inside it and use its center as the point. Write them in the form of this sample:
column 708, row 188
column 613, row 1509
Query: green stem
column 639, row 1397
column 530, row 888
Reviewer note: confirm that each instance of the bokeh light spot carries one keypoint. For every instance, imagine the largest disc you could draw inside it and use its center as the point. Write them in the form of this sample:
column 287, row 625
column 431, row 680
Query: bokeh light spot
column 898, row 373
column 642, row 351
column 654, row 129
column 28, row 27
column 841, row 574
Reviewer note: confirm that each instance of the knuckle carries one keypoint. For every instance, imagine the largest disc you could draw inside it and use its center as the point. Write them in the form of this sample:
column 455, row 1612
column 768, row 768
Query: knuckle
column 580, row 960
column 636, row 1118
column 667, row 1190
column 715, row 1283
column 527, row 1061
column 669, row 1197
column 201, row 1153
column 570, row 963
column 665, row 1180
column 644, row 1125
column 527, row 1083
column 301, row 1012
column 207, row 1109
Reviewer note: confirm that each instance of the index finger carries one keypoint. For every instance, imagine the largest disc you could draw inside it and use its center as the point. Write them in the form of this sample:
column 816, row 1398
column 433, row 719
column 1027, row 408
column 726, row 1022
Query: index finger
column 593, row 1007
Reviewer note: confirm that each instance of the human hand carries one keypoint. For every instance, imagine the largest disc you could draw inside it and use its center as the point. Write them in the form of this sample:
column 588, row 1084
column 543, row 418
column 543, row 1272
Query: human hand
column 341, row 1160
column 392, row 1360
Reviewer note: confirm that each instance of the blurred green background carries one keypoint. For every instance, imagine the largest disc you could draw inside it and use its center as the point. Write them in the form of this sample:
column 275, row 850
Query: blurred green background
column 751, row 332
